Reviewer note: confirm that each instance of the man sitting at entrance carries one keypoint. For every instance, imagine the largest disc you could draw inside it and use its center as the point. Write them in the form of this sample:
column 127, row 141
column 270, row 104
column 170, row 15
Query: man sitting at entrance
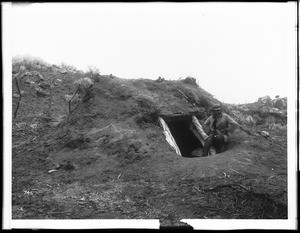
column 220, row 124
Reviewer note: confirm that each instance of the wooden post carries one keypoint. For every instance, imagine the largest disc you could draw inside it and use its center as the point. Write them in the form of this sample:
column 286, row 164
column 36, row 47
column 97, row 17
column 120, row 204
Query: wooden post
column 168, row 135
column 199, row 128
column 70, row 101
column 202, row 134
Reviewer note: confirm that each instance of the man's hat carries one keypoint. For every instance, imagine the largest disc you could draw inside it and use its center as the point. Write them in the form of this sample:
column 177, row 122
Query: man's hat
column 216, row 107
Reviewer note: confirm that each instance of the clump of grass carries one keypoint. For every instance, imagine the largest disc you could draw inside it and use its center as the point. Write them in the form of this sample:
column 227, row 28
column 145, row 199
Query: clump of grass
column 93, row 73
column 28, row 62
column 190, row 80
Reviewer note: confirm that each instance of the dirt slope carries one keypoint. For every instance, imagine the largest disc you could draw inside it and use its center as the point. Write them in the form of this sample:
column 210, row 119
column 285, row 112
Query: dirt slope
column 109, row 159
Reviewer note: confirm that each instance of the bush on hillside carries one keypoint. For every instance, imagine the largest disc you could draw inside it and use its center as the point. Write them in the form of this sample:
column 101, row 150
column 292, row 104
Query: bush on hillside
column 84, row 89
column 190, row 80
column 93, row 73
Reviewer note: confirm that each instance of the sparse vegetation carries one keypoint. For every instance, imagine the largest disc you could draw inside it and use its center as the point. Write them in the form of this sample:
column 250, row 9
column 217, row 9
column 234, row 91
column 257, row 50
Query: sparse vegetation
column 84, row 88
column 67, row 67
column 93, row 73
column 190, row 80
column 103, row 155
column 29, row 62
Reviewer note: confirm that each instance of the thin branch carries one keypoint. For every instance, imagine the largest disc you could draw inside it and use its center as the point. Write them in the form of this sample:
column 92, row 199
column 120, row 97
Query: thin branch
column 20, row 97
column 70, row 111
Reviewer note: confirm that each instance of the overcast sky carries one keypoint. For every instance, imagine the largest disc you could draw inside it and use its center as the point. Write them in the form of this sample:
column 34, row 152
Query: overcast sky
column 236, row 51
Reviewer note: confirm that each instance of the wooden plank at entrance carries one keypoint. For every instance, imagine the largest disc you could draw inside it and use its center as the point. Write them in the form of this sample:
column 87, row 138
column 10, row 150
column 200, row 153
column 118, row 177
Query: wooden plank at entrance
column 199, row 128
column 203, row 135
column 168, row 135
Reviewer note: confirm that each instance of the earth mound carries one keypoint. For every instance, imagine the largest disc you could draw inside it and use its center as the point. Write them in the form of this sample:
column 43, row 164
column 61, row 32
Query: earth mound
column 102, row 154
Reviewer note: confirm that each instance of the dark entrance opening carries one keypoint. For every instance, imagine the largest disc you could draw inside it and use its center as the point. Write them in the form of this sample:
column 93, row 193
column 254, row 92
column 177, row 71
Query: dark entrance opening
column 184, row 137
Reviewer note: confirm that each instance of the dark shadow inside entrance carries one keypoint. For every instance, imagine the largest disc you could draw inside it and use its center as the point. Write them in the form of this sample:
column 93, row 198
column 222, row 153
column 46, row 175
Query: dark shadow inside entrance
column 184, row 137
